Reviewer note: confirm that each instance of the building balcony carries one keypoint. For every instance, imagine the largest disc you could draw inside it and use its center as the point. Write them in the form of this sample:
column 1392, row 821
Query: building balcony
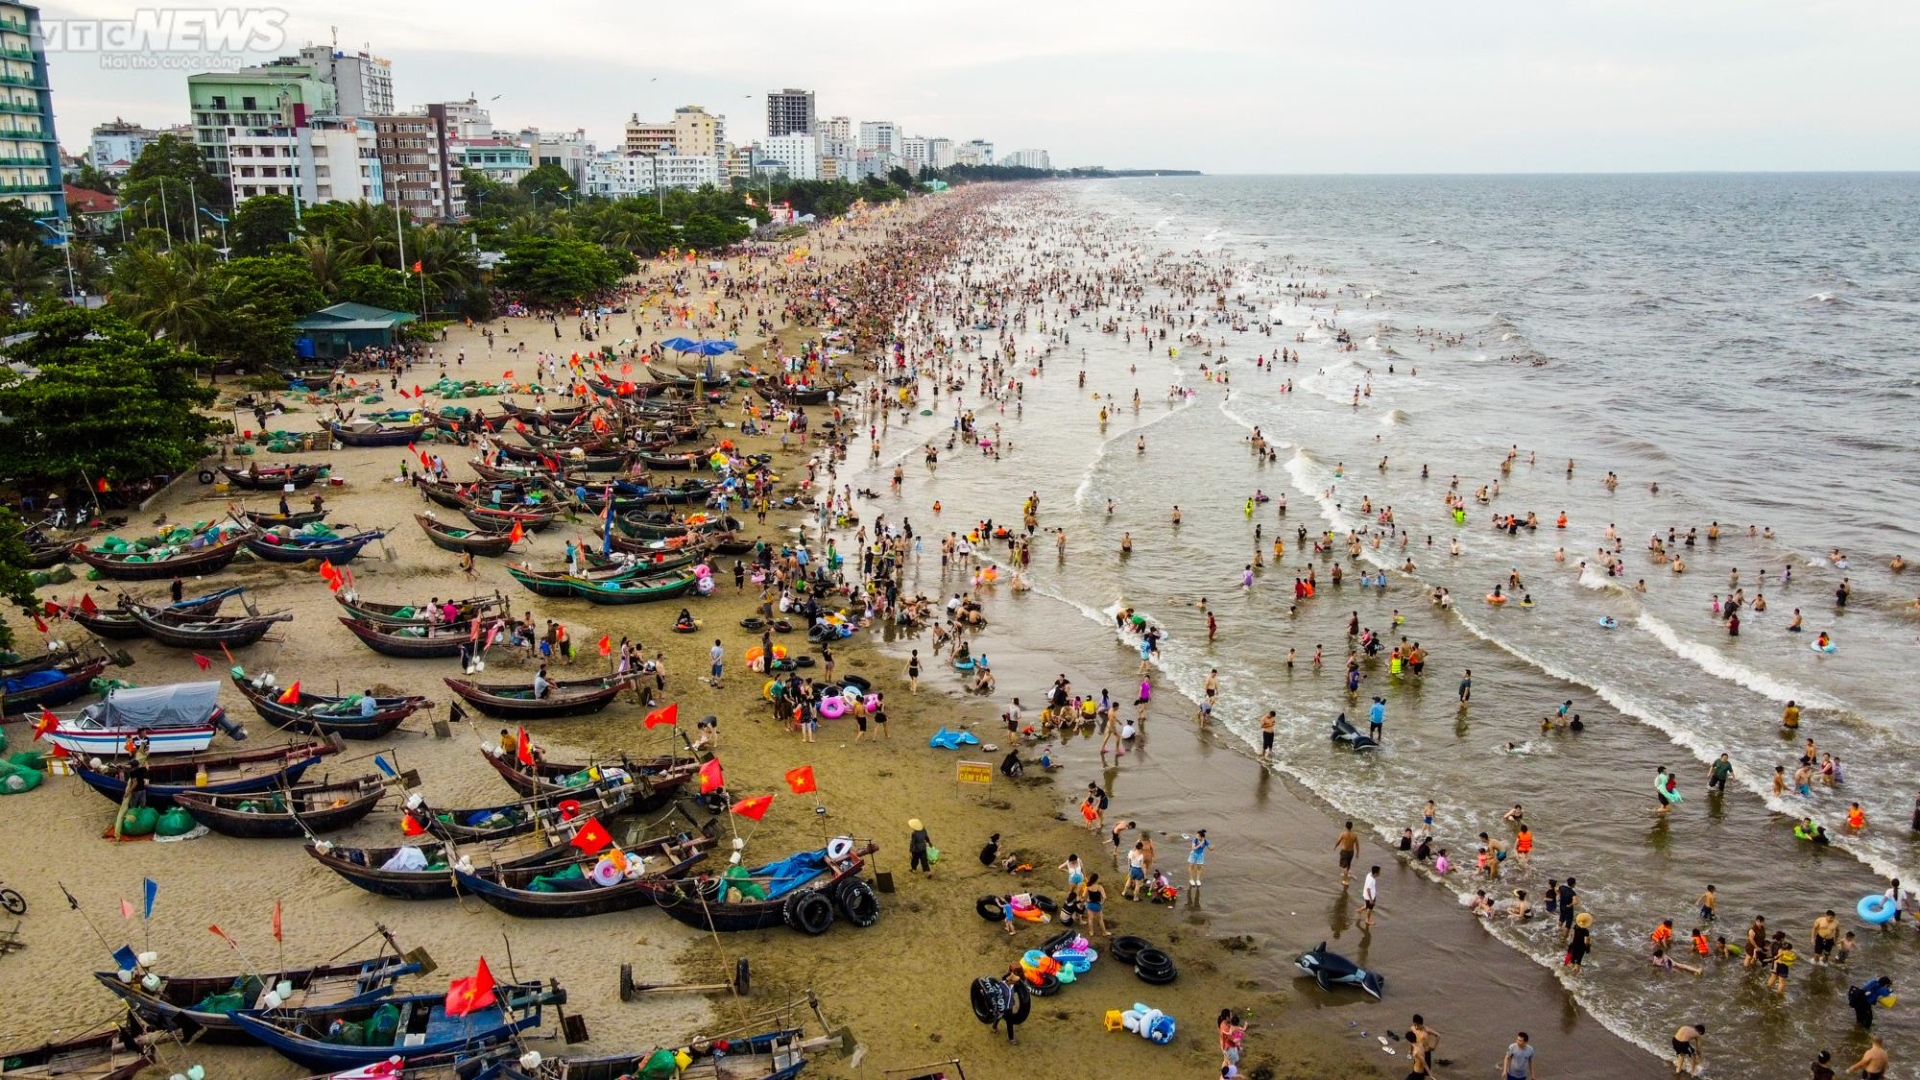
column 31, row 81
column 16, row 26
column 30, row 162
column 17, row 54
column 43, row 187
column 27, row 136
column 20, row 107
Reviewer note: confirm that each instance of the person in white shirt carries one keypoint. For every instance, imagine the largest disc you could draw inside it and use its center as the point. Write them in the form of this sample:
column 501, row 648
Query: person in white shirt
column 1369, row 896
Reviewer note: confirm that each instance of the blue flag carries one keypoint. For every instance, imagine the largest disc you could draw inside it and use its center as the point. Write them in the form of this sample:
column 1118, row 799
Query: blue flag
column 381, row 764
column 153, row 890
column 126, row 958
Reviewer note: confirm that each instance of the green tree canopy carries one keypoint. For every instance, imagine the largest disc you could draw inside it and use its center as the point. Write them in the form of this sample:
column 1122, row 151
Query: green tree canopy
column 545, row 270
column 380, row 287
column 102, row 399
column 17, row 225
column 261, row 224
column 257, row 301
column 548, row 180
column 15, row 586
column 171, row 173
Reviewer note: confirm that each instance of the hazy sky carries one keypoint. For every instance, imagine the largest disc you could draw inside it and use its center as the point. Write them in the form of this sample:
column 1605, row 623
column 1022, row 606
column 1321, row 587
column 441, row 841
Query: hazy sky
column 1218, row 85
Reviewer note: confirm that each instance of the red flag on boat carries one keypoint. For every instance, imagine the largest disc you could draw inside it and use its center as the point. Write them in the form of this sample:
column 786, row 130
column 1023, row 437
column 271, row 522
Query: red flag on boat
column 472, row 993
column 222, row 935
column 203, row 661
column 40, row 624
column 592, row 838
column 711, row 778
column 668, row 715
column 47, row 723
column 524, row 753
column 800, row 779
column 292, row 696
column 87, row 604
column 516, row 535
column 753, row 809
column 606, row 645
column 276, row 921
column 126, row 909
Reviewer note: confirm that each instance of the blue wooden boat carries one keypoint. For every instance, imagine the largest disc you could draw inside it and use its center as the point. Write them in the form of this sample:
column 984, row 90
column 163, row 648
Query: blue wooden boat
column 406, row 1027
column 294, row 549
column 202, row 1006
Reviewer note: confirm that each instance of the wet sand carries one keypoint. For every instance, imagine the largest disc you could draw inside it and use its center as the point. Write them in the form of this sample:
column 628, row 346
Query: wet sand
column 1270, row 880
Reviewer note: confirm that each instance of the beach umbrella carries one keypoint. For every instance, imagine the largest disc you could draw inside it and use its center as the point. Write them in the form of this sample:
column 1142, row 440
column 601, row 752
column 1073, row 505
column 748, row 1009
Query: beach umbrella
column 710, row 348
column 677, row 344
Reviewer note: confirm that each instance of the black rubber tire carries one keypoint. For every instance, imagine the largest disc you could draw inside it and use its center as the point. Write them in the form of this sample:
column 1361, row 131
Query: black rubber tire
column 742, row 977
column 810, row 912
column 988, row 1000
column 859, row 904
column 752, row 622
column 782, row 626
column 206, row 476
column 800, row 662
column 1045, row 903
column 1048, row 986
column 990, row 908
column 1154, row 966
column 1058, row 941
column 865, row 687
column 1126, row 947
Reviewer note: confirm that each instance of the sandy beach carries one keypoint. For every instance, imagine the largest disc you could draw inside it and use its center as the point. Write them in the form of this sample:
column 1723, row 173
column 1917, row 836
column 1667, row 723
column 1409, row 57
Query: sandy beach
column 900, row 988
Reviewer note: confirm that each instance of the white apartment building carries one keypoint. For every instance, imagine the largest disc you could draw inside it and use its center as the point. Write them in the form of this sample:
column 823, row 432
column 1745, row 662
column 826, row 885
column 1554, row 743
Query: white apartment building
column 797, row 155
column 331, row 159
column 836, row 127
column 696, row 131
column 880, row 136
column 1027, row 159
column 690, row 171
column 973, row 152
column 940, row 153
column 570, row 150
column 647, row 137
column 619, row 177
column 913, row 152
column 362, row 83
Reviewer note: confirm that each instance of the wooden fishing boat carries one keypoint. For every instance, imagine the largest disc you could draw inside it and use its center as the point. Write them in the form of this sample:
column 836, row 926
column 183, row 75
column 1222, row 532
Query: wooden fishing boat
column 671, row 462
column 380, row 614
column 655, row 781
column 764, row 1055
column 423, row 868
column 108, row 1055
column 179, row 718
column 788, row 395
column 540, row 583
column 318, row 714
column 513, row 472
column 477, row 824
column 688, row 491
column 548, row 417
column 637, row 558
column 137, row 566
column 410, row 642
column 274, row 478
column 408, row 1026
column 502, row 520
column 637, row 590
column 204, row 632
column 247, row 771
column 298, row 811
column 119, row 624
column 564, row 697
column 269, row 520
column 363, row 433
column 46, row 556
column 293, row 549
column 465, row 423
column 31, row 691
column 448, row 538
column 700, row 901
column 202, row 1006
column 569, row 890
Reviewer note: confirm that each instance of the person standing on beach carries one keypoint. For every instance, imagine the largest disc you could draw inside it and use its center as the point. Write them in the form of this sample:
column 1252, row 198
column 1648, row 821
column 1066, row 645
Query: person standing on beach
column 1197, row 858
column 1466, row 686
column 719, row 655
column 1347, row 844
column 1687, row 1059
column 1118, row 839
column 1518, row 1062
column 1369, row 897
column 1266, row 749
column 918, row 843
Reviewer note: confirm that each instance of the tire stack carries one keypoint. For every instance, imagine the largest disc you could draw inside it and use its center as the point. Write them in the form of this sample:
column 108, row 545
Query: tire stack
column 1151, row 964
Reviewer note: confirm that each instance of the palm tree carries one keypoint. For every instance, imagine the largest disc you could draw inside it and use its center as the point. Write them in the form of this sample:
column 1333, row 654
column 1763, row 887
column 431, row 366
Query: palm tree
column 22, row 269
column 326, row 259
column 525, row 227
column 367, row 235
column 167, row 294
column 446, row 259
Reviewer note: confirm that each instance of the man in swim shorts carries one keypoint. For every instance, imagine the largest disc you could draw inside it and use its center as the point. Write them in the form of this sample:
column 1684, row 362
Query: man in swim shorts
column 1686, row 1050
column 1347, row 844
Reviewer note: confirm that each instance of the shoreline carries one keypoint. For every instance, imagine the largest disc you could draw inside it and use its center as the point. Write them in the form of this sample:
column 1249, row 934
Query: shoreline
column 860, row 985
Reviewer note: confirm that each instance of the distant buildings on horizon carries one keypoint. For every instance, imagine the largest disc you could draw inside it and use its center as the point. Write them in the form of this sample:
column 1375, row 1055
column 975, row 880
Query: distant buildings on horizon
column 322, row 125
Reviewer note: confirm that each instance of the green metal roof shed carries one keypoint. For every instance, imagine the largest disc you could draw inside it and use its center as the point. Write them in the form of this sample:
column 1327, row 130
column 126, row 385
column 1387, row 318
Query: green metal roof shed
column 342, row 329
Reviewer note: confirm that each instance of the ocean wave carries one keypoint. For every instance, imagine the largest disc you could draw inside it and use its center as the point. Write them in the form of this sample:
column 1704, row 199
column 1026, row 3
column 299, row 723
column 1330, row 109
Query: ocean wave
column 1720, row 666
column 1394, row 417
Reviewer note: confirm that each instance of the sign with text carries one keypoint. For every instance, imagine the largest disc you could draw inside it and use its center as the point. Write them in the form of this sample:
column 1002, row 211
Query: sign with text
column 973, row 772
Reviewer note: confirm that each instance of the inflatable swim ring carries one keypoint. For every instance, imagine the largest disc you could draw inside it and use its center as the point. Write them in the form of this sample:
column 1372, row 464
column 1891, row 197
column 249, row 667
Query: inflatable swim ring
column 1829, row 650
column 1877, row 909
column 839, row 848
column 871, row 704
column 833, row 707
column 1607, row 622
column 1496, row 598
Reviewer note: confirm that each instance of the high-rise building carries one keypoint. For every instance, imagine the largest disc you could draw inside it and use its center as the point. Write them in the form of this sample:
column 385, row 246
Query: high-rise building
column 362, row 82
column 328, row 159
column 504, row 161
column 940, row 153
column 232, row 104
column 117, row 145
column 29, row 148
column 691, row 171
column 913, row 152
column 1027, row 159
column 789, row 112
column 619, row 176
column 647, row 137
column 796, row 154
column 416, row 164
column 464, row 119
column 836, row 127
column 880, row 136
column 973, row 152
column 698, row 133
